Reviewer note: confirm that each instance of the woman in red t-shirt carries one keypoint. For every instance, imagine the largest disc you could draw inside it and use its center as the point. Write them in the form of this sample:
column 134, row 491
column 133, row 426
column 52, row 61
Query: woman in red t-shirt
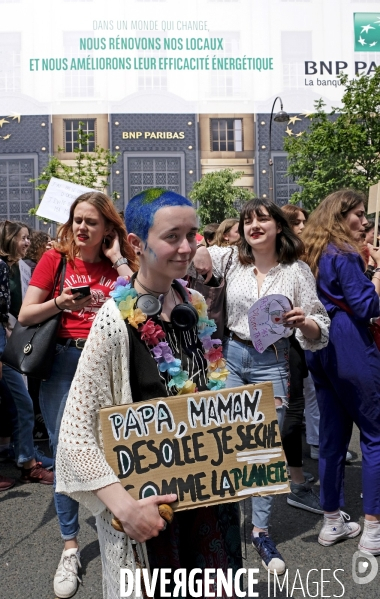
column 94, row 242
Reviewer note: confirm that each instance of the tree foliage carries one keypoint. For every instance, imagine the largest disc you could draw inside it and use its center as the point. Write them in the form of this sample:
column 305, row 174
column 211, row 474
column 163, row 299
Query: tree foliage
column 217, row 195
column 91, row 169
column 341, row 148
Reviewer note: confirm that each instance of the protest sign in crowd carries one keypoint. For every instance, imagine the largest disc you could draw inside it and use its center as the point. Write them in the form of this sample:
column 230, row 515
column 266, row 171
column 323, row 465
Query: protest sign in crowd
column 110, row 352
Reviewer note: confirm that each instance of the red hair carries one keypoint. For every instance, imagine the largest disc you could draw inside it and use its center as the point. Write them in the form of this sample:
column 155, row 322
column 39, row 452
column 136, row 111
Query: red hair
column 66, row 244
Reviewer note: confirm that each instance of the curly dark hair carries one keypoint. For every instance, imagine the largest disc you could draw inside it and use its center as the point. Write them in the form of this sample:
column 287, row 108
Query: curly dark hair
column 38, row 241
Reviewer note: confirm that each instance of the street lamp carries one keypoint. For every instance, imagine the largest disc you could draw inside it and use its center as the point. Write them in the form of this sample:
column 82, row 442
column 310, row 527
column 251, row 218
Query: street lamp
column 280, row 117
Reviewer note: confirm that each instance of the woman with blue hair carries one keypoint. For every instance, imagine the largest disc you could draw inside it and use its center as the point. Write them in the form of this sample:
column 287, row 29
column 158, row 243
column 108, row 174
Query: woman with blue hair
column 171, row 339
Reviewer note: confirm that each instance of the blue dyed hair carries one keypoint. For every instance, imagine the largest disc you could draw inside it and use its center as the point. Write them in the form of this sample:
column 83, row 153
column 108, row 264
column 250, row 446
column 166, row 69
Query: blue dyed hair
column 141, row 209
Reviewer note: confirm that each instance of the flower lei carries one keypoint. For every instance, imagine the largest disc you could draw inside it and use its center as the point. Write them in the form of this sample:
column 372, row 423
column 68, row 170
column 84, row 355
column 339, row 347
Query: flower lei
column 154, row 336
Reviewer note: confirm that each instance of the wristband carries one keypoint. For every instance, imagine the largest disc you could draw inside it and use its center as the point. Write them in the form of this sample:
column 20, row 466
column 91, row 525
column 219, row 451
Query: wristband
column 55, row 301
column 377, row 269
column 119, row 262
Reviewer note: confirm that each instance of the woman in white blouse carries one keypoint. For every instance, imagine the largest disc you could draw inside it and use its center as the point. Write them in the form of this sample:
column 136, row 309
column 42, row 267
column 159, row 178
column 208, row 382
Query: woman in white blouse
column 264, row 262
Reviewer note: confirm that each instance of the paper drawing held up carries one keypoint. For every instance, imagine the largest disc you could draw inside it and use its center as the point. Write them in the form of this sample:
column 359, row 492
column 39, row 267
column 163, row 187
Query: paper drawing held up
column 265, row 320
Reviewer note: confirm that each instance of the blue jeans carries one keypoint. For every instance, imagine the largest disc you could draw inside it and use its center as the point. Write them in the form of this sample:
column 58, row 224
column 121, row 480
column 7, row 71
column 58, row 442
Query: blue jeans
column 53, row 396
column 24, row 423
column 247, row 366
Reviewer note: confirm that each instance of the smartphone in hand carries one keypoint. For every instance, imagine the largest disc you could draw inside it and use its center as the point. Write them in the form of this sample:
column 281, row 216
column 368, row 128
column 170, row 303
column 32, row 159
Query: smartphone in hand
column 84, row 291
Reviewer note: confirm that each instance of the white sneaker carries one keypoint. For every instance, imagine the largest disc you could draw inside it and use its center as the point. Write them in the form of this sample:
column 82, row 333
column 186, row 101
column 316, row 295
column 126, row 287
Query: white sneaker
column 314, row 453
column 370, row 539
column 337, row 529
column 66, row 577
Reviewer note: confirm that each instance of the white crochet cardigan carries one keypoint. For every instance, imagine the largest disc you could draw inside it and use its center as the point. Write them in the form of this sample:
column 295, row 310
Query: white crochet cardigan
column 101, row 379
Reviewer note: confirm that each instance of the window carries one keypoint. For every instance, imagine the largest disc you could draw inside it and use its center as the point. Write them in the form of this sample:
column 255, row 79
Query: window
column 78, row 84
column 283, row 185
column 367, row 58
column 146, row 81
column 158, row 80
column 295, row 45
column 226, row 84
column 17, row 193
column 70, row 133
column 148, row 172
column 226, row 135
column 10, row 70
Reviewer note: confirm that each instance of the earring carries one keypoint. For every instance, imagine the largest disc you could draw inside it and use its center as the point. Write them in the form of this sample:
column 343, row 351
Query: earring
column 138, row 253
column 104, row 240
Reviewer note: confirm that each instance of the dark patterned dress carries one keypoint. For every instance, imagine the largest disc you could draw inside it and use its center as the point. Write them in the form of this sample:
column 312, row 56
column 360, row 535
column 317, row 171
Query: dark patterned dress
column 5, row 297
column 205, row 537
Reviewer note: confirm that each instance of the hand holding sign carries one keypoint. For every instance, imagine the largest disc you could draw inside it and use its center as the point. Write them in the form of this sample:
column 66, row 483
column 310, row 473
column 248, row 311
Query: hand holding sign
column 294, row 318
column 147, row 520
column 205, row 448
column 164, row 510
column 271, row 318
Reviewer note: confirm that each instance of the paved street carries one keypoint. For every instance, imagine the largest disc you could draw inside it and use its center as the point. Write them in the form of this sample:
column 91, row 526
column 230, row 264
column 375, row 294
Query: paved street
column 30, row 545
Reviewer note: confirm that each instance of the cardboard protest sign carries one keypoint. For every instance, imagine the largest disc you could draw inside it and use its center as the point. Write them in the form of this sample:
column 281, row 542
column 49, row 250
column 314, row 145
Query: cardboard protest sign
column 265, row 319
column 25, row 276
column 58, row 197
column 206, row 447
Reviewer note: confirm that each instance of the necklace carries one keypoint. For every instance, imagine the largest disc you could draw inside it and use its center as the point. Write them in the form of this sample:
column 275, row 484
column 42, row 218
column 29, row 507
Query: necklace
column 155, row 338
column 173, row 295
column 159, row 293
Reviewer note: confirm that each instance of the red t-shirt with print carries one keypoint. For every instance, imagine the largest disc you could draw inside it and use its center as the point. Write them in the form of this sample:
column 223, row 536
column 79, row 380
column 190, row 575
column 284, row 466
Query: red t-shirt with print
column 100, row 276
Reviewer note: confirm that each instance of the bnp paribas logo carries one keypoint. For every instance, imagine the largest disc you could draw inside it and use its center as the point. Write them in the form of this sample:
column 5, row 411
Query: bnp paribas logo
column 367, row 31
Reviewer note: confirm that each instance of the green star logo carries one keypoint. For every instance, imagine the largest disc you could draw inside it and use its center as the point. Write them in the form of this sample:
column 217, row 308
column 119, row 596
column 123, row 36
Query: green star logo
column 367, row 31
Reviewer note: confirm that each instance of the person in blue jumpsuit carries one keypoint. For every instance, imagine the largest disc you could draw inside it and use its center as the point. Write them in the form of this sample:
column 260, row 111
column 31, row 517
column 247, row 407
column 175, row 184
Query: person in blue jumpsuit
column 346, row 373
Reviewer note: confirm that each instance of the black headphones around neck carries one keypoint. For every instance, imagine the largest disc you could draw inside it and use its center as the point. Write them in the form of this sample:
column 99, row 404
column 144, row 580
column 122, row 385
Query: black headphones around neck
column 183, row 317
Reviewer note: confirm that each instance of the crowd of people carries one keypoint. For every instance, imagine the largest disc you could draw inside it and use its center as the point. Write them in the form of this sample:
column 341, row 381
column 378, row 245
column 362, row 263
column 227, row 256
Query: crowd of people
column 326, row 372
column 17, row 411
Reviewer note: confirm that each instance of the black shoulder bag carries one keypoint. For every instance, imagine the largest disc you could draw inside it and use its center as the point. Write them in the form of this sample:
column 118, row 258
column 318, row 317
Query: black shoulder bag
column 31, row 350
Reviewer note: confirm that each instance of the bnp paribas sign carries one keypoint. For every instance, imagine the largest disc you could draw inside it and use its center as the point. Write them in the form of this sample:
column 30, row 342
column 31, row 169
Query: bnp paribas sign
column 367, row 31
column 366, row 39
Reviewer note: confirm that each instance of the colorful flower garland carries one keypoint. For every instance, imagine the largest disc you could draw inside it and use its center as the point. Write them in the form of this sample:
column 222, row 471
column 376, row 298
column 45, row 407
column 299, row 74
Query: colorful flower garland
column 154, row 336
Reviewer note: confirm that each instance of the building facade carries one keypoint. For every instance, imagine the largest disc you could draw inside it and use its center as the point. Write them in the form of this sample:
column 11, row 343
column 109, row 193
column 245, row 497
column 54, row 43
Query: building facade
column 154, row 150
column 25, row 144
column 273, row 149
column 228, row 141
